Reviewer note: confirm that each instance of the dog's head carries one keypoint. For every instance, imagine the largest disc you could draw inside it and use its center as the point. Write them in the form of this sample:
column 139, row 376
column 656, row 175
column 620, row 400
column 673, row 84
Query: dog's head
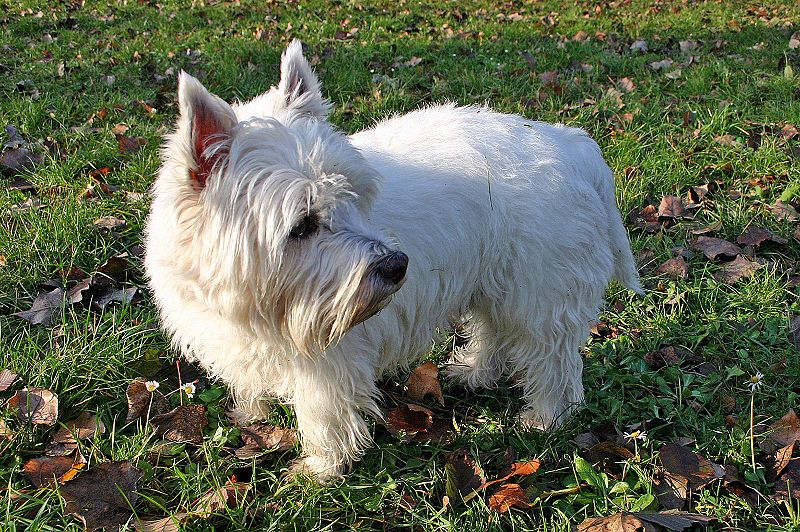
column 260, row 216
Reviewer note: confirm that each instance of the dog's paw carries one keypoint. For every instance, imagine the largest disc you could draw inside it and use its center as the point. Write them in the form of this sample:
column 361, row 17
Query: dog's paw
column 317, row 468
column 472, row 378
column 532, row 420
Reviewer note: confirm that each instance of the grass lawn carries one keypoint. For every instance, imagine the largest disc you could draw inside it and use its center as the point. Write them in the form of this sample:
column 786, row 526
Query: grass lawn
column 678, row 94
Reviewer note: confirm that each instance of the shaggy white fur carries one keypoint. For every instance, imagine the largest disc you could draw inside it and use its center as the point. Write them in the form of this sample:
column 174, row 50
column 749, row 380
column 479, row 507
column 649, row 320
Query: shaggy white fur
column 293, row 261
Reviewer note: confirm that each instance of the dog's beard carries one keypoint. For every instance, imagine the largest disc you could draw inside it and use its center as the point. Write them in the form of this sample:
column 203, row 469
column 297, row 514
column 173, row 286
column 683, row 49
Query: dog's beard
column 321, row 305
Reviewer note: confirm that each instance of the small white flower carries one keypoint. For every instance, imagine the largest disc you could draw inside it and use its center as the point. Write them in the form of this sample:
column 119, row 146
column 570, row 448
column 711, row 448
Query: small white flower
column 755, row 381
column 189, row 389
column 635, row 435
column 151, row 386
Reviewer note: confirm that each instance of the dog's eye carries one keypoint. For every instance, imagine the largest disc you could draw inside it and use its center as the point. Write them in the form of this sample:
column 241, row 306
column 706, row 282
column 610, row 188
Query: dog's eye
column 305, row 227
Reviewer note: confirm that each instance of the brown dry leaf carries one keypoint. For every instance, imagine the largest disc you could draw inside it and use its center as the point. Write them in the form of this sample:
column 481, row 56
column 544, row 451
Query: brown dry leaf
column 464, row 475
column 44, row 307
column 668, row 356
column 142, row 402
column 441, row 431
column 646, row 260
column 520, row 469
column 787, row 485
column 129, row 145
column 672, row 207
column 424, row 380
column 674, row 268
column 794, row 332
column 230, row 495
column 675, row 521
column 508, row 496
column 35, row 405
column 783, row 457
column 184, row 423
column 166, row 524
column 727, row 140
column 65, row 440
column 646, row 219
column 734, row 483
column 7, row 378
column 710, row 228
column 783, row 211
column 258, row 438
column 19, row 160
column 409, row 419
column 697, row 470
column 621, row 522
column 49, row 470
column 738, row 268
column 102, row 496
column 783, row 432
column 109, row 222
column 626, row 85
column 715, row 247
column 755, row 236
column 695, row 195
column 661, row 65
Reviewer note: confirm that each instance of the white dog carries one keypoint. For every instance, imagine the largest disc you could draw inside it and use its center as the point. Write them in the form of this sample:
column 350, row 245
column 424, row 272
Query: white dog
column 291, row 260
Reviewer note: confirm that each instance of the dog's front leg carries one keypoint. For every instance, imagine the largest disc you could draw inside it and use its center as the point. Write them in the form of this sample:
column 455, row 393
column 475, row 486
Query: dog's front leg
column 329, row 406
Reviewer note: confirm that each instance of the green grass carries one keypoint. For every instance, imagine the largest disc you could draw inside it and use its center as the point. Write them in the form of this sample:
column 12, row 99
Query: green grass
column 470, row 54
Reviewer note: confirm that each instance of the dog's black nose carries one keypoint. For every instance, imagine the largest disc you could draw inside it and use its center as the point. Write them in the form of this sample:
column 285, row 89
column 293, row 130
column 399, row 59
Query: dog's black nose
column 392, row 267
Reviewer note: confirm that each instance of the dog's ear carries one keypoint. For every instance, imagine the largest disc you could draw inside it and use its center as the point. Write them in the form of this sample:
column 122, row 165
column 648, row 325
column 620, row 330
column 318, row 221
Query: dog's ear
column 205, row 123
column 299, row 86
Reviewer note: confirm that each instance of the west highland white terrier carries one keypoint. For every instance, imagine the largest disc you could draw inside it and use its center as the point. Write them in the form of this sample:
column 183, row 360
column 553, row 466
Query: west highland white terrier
column 294, row 261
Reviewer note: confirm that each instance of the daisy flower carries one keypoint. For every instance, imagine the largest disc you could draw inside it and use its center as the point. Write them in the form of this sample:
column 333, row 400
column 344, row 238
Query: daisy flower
column 635, row 435
column 151, row 386
column 189, row 389
column 755, row 381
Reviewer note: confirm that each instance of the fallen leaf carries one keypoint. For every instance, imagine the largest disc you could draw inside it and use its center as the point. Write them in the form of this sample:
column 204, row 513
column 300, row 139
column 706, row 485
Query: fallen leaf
column 621, row 522
column 672, row 207
column 414, row 61
column 661, row 65
column 44, row 307
column 676, row 521
column 696, row 195
column 165, row 524
column 727, row 140
column 20, row 159
column 27, row 205
column 15, row 140
column 755, row 236
column 738, row 268
column 787, row 485
column 142, row 402
column 464, row 475
column 122, row 295
column 49, row 470
column 109, row 222
column 715, row 247
column 646, row 219
column 782, row 432
column 424, row 380
column 783, row 211
column 682, row 462
column 38, row 406
column 130, row 145
column 668, row 356
column 261, row 437
column 409, row 419
column 230, row 495
column 103, row 496
column 674, row 268
column 687, row 47
column 626, row 85
column 7, row 378
column 639, row 45
column 184, row 423
column 734, row 483
column 508, row 496
column 65, row 440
